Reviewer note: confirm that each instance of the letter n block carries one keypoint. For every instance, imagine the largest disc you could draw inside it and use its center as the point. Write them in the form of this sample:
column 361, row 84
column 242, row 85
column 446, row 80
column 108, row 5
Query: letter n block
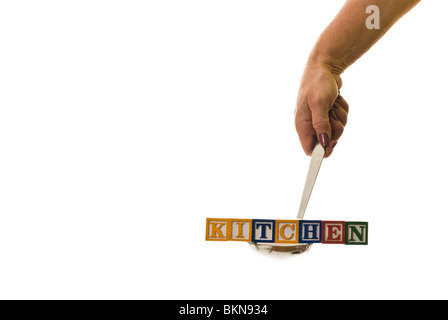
column 333, row 232
column 286, row 231
column 310, row 231
column 240, row 230
column 263, row 230
column 216, row 229
column 356, row 233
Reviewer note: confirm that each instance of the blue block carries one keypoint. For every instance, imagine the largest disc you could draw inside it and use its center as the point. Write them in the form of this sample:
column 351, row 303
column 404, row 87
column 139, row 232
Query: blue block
column 263, row 230
column 310, row 231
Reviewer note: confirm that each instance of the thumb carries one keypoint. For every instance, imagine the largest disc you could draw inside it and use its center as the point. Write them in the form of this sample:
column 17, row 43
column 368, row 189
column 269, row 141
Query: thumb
column 321, row 124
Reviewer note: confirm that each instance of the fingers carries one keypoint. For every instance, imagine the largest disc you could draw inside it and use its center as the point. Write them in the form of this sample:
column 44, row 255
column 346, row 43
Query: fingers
column 321, row 113
column 338, row 119
column 337, row 127
column 321, row 119
column 305, row 130
column 342, row 103
column 329, row 150
column 307, row 136
column 313, row 122
column 338, row 113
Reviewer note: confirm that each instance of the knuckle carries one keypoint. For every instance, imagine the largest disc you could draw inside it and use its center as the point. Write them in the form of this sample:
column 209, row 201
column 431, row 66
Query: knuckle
column 321, row 124
column 318, row 100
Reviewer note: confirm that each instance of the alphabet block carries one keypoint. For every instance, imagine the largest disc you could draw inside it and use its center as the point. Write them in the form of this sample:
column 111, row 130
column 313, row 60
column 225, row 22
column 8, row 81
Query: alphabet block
column 240, row 230
column 287, row 231
column 310, row 231
column 356, row 233
column 333, row 232
column 263, row 230
column 216, row 229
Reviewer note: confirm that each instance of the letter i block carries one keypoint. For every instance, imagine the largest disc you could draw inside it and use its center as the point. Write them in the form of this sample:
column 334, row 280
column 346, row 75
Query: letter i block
column 287, row 231
column 216, row 229
column 310, row 231
column 239, row 230
column 356, row 233
column 333, row 232
column 263, row 230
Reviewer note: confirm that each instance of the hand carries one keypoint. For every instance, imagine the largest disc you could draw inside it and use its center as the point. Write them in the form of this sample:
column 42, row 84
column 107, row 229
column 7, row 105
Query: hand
column 321, row 113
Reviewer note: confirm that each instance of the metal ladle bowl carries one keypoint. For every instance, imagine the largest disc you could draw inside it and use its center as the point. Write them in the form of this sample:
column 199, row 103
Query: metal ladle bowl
column 280, row 250
column 283, row 250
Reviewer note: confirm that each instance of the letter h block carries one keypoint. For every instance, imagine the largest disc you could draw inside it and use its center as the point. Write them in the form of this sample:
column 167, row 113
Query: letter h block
column 310, row 231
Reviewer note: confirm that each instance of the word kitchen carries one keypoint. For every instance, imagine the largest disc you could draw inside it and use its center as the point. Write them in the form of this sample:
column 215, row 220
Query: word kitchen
column 287, row 231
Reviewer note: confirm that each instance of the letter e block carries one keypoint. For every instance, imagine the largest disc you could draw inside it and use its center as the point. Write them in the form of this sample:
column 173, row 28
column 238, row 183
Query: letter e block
column 287, row 231
column 310, row 231
column 216, row 229
column 239, row 230
column 263, row 230
column 356, row 233
column 333, row 232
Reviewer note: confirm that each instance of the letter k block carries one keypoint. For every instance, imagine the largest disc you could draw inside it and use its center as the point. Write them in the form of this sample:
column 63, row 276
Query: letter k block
column 216, row 229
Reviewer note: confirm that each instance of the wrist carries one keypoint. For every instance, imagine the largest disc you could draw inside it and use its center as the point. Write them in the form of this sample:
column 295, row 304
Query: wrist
column 327, row 62
column 322, row 69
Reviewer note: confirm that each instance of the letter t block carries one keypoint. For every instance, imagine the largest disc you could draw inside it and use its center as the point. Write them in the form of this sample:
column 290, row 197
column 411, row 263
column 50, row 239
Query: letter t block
column 263, row 230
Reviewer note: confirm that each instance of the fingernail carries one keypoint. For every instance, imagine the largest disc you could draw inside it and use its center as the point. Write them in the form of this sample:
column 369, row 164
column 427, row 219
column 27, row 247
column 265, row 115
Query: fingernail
column 333, row 115
column 324, row 140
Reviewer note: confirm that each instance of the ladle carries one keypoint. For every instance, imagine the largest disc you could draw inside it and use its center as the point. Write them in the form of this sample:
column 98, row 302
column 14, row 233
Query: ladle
column 291, row 249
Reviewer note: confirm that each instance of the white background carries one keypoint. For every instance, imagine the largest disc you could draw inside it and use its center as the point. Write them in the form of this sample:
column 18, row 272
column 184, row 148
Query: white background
column 125, row 124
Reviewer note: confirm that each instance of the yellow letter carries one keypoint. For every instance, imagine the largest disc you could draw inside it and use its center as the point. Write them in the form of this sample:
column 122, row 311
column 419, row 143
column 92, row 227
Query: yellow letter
column 240, row 229
column 282, row 231
column 217, row 229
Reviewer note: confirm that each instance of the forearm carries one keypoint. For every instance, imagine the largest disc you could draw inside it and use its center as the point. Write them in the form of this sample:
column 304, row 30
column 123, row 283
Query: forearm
column 347, row 38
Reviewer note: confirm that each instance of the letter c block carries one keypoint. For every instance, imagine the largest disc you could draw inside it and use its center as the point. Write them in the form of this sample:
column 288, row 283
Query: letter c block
column 287, row 231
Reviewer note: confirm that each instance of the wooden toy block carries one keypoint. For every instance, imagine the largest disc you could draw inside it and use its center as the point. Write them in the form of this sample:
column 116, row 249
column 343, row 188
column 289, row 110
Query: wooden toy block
column 239, row 230
column 310, row 231
column 263, row 230
column 216, row 229
column 333, row 232
column 356, row 233
column 286, row 231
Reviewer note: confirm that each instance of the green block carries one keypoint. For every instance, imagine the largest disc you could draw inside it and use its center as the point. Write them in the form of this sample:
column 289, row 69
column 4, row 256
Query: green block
column 356, row 233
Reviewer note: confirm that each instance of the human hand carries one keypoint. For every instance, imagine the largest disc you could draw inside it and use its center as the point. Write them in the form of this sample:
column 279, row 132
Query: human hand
column 321, row 113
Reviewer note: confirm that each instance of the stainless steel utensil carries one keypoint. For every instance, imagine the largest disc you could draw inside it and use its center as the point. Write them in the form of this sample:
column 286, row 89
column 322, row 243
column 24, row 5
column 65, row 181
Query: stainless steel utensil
column 287, row 249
